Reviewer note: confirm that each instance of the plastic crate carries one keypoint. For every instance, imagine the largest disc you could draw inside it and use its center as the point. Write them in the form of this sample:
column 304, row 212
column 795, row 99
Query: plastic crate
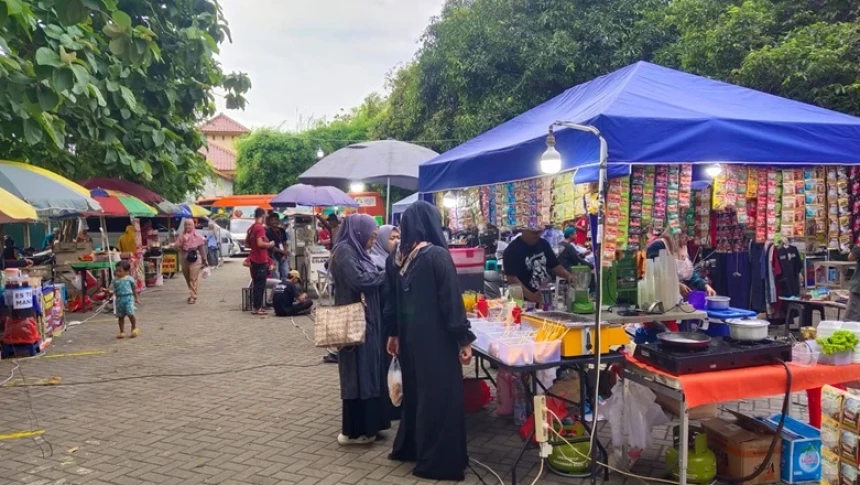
column 10, row 351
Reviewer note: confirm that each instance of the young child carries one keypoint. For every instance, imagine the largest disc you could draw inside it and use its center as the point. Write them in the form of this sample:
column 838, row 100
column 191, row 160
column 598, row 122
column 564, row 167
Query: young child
column 125, row 292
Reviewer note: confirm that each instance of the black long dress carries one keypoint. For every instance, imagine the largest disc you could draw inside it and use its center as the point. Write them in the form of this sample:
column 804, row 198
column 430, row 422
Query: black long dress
column 361, row 368
column 431, row 323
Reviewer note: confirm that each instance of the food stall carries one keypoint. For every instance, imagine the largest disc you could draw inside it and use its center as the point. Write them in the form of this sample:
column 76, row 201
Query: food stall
column 310, row 258
column 660, row 140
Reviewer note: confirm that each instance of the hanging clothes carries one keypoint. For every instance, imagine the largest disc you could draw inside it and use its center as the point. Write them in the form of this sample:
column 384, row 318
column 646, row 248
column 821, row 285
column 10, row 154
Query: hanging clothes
column 757, row 277
column 738, row 278
column 791, row 265
column 720, row 274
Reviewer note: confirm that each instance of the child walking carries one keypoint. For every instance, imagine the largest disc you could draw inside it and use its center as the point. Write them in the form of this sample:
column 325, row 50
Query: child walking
column 125, row 292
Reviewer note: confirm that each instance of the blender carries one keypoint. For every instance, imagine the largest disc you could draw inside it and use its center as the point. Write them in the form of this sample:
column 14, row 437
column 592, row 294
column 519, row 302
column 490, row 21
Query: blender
column 579, row 282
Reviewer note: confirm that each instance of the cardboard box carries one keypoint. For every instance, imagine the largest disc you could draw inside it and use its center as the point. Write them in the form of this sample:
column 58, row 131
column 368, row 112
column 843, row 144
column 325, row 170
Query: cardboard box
column 829, row 468
column 706, row 411
column 800, row 460
column 741, row 446
column 830, row 436
column 831, row 403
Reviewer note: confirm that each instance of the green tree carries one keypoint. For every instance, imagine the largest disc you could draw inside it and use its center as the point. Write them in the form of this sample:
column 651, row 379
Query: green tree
column 113, row 87
column 484, row 61
column 270, row 161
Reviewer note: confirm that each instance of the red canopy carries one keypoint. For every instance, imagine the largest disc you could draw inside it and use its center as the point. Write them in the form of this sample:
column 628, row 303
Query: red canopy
column 124, row 186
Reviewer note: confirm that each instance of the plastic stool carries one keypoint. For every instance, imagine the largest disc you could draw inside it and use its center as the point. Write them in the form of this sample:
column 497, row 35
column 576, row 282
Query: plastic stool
column 491, row 265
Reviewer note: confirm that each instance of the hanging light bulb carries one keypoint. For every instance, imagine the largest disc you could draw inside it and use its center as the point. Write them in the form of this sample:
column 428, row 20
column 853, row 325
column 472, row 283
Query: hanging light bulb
column 320, row 153
column 449, row 200
column 550, row 161
column 356, row 187
column 714, row 170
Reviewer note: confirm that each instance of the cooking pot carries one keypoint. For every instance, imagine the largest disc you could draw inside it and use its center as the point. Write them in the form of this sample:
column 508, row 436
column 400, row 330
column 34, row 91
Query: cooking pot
column 748, row 330
column 718, row 302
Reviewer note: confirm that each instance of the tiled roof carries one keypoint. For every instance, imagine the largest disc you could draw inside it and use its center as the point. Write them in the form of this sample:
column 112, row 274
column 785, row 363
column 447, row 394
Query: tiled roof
column 223, row 124
column 221, row 158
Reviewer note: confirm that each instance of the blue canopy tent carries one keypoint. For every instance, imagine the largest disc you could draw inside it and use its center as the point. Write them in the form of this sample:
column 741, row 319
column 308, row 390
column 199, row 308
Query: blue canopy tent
column 650, row 115
column 401, row 205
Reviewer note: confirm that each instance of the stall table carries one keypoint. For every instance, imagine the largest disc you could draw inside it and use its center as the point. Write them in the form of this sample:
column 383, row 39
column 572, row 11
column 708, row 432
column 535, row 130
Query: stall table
column 693, row 390
column 806, row 309
column 579, row 364
column 82, row 267
column 670, row 316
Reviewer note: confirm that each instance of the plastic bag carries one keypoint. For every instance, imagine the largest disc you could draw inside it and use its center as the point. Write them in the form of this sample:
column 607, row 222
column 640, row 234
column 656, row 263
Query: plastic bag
column 205, row 273
column 632, row 417
column 395, row 382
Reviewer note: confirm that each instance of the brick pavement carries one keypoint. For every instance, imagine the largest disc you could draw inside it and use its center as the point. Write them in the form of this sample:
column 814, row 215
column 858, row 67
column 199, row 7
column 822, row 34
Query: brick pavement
column 271, row 425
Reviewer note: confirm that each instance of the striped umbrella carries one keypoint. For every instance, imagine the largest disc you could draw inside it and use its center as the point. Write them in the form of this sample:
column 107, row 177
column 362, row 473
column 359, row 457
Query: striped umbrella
column 118, row 204
column 50, row 194
column 13, row 209
column 194, row 210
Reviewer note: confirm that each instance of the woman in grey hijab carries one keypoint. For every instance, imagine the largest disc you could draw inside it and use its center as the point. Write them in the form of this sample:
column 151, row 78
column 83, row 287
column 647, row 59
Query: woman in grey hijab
column 389, row 238
column 361, row 367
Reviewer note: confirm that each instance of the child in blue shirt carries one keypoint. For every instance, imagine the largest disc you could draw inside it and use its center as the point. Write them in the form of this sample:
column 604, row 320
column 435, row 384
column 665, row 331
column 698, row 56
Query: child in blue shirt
column 125, row 296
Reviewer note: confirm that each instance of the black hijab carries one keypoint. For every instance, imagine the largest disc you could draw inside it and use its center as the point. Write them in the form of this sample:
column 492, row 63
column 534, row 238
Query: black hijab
column 421, row 223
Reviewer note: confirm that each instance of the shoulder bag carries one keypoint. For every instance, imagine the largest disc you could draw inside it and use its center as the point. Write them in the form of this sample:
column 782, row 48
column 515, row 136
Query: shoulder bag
column 340, row 326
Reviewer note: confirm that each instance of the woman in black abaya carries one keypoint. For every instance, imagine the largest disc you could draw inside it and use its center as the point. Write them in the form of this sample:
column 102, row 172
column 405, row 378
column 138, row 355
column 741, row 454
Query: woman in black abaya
column 361, row 367
column 430, row 333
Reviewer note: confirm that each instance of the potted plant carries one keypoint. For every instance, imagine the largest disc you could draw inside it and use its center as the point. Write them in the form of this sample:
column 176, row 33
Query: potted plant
column 838, row 348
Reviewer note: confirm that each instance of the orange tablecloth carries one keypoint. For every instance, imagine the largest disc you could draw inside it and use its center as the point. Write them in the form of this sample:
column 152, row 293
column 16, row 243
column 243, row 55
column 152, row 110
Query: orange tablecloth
column 753, row 382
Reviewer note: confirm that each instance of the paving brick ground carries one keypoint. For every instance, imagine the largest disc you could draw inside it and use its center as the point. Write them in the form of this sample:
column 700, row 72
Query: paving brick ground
column 268, row 413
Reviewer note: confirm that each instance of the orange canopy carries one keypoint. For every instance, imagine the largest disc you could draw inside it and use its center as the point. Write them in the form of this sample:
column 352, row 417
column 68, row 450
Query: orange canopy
column 245, row 200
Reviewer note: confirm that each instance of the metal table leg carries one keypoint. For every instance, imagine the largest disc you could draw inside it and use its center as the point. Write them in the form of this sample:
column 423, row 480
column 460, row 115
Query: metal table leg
column 683, row 442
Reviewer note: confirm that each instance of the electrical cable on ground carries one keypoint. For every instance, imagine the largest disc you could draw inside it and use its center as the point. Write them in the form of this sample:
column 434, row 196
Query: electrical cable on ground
column 493, row 472
column 155, row 376
column 540, row 472
column 12, row 374
column 34, row 420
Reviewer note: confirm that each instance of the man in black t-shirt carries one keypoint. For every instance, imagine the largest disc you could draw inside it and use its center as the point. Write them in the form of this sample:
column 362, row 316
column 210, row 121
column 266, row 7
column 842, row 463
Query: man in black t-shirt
column 288, row 299
column 530, row 262
column 278, row 252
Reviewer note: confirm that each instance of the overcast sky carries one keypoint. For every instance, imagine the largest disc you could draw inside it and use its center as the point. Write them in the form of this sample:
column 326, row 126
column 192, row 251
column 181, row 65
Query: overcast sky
column 310, row 58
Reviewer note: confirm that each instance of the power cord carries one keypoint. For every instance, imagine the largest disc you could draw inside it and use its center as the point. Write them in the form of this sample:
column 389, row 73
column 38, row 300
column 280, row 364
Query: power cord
column 493, row 472
column 196, row 374
column 777, row 436
column 34, row 421
column 12, row 374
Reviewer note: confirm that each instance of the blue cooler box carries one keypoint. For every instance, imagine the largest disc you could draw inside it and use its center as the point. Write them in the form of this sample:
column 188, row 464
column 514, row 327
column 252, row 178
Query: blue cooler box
column 801, row 450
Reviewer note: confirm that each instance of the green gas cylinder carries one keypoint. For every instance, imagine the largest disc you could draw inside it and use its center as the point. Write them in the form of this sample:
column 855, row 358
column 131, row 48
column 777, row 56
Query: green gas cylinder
column 701, row 461
column 570, row 459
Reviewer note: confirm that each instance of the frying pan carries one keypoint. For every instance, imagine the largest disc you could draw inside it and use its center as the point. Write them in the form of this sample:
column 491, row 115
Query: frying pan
column 684, row 340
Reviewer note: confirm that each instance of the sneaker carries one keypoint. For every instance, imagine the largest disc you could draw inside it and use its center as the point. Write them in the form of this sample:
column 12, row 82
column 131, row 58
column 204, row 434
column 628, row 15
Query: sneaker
column 345, row 440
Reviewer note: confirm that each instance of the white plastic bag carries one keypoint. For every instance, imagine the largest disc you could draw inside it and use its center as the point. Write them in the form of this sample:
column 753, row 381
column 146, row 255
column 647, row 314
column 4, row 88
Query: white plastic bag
column 634, row 416
column 205, row 273
column 395, row 382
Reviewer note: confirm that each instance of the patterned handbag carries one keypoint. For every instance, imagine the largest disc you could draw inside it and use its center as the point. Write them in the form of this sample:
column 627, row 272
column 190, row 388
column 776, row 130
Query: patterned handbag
column 340, row 326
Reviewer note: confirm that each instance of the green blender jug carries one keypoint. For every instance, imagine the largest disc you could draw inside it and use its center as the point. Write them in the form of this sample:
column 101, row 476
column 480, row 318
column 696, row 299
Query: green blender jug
column 579, row 282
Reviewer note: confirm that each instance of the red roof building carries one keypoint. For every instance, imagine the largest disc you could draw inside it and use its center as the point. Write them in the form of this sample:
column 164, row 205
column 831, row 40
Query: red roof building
column 222, row 133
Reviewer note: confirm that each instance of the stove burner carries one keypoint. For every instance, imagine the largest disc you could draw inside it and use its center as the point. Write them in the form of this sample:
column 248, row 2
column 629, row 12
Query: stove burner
column 720, row 354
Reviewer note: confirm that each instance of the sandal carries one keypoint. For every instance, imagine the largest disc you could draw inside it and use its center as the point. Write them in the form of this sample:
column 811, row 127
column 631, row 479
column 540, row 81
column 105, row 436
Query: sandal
column 190, row 300
column 135, row 333
column 120, row 335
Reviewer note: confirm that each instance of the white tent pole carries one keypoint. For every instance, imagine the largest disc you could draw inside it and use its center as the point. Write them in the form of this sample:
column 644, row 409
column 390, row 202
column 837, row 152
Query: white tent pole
column 388, row 215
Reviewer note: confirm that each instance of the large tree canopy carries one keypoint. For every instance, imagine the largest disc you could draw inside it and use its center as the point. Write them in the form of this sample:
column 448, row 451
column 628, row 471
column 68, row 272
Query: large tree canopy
column 112, row 87
column 482, row 62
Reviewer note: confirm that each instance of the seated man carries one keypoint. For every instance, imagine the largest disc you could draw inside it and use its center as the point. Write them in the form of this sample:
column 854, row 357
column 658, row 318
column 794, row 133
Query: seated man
column 289, row 300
